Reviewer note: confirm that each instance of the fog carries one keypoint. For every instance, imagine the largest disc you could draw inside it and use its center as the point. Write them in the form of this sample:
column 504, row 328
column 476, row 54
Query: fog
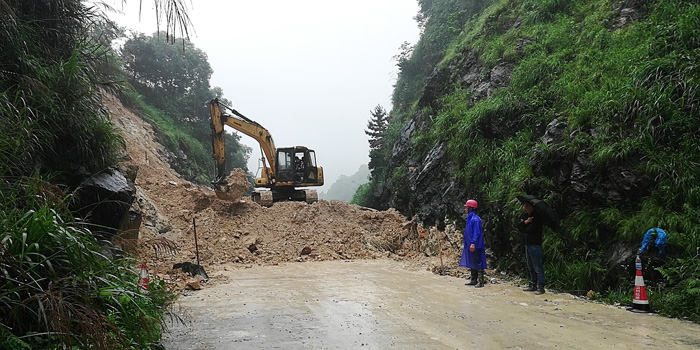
column 308, row 71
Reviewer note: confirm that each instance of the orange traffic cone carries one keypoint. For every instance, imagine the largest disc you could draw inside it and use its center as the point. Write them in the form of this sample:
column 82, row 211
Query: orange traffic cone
column 640, row 302
column 143, row 277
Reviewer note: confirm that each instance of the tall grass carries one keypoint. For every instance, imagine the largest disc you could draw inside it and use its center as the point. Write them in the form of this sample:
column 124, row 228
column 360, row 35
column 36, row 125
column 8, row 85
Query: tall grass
column 60, row 287
column 50, row 105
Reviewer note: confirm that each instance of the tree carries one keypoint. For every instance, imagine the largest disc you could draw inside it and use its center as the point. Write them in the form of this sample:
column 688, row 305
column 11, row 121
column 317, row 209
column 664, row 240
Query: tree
column 176, row 80
column 176, row 18
column 440, row 22
column 403, row 59
column 376, row 130
column 376, row 127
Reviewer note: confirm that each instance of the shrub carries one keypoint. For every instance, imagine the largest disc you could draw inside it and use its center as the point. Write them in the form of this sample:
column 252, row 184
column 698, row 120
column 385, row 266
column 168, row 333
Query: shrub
column 61, row 289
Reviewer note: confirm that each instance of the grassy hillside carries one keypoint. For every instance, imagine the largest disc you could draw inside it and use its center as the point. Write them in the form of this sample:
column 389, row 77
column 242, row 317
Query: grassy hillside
column 60, row 287
column 172, row 91
column 598, row 115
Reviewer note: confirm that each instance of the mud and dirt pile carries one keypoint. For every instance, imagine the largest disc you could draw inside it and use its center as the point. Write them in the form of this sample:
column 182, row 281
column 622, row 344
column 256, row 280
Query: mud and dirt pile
column 241, row 232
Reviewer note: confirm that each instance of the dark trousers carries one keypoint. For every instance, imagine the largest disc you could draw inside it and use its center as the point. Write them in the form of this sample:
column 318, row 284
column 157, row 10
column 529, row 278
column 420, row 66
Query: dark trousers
column 533, row 253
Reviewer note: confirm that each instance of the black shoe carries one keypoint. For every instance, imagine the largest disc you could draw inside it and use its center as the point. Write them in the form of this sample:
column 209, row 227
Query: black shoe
column 532, row 287
column 540, row 290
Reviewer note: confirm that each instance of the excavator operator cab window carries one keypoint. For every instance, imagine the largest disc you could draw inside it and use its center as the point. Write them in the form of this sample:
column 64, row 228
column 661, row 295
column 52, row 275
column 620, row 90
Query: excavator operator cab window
column 310, row 170
column 299, row 161
column 284, row 162
column 311, row 159
column 285, row 166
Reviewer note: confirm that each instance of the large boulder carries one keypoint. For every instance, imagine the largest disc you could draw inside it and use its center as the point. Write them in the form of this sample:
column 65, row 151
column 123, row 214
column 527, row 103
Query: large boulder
column 104, row 199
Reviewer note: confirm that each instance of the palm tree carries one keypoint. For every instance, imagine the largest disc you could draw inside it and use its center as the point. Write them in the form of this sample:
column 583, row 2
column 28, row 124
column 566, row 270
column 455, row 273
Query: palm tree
column 171, row 13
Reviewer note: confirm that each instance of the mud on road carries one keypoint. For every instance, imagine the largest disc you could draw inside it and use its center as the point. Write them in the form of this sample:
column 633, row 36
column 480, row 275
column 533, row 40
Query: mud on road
column 387, row 304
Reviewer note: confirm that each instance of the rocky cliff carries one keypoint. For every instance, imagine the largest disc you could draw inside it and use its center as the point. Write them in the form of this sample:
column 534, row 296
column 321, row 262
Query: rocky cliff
column 563, row 103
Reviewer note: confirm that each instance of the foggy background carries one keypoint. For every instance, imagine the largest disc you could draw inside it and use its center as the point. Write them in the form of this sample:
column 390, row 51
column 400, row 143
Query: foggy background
column 309, row 71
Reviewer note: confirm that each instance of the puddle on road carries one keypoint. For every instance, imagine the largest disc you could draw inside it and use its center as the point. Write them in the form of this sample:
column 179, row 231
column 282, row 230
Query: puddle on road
column 380, row 304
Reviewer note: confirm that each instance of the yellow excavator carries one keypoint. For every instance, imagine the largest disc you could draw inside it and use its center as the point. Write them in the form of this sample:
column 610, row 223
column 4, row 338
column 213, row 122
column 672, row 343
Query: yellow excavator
column 283, row 169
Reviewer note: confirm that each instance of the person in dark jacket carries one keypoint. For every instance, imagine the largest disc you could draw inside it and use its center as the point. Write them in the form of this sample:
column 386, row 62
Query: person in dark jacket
column 531, row 225
column 473, row 254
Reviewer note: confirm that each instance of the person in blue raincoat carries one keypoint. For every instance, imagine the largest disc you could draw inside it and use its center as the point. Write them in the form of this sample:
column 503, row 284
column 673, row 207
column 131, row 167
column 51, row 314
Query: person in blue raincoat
column 658, row 236
column 473, row 254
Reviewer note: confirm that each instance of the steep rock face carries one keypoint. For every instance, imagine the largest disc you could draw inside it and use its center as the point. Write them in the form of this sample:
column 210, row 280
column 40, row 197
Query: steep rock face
column 579, row 180
column 428, row 188
column 470, row 74
column 432, row 192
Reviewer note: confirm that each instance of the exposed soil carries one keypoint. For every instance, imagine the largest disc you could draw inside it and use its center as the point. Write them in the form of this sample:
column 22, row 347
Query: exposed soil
column 244, row 233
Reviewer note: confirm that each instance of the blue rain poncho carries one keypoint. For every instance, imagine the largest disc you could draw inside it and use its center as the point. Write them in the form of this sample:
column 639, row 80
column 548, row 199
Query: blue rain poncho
column 473, row 234
column 660, row 240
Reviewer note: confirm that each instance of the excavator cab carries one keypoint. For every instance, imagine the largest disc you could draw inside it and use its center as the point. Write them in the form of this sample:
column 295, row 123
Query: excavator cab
column 297, row 166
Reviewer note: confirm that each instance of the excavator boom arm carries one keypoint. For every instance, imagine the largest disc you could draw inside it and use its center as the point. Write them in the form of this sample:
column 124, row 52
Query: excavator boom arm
column 245, row 125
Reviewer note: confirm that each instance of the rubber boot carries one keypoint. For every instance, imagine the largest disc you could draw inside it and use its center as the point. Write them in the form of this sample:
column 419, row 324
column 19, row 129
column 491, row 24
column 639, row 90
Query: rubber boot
column 531, row 287
column 480, row 283
column 540, row 289
column 472, row 280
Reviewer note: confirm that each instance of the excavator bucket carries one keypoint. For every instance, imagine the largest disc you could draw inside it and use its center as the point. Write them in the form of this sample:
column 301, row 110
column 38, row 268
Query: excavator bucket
column 234, row 187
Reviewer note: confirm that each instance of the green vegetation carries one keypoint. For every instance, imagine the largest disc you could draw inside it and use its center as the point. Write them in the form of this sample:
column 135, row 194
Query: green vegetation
column 626, row 91
column 60, row 289
column 50, row 109
column 197, row 163
column 376, row 130
column 360, row 196
column 173, row 91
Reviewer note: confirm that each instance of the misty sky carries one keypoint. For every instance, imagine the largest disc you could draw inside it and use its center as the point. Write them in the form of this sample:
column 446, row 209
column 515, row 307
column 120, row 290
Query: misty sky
column 310, row 71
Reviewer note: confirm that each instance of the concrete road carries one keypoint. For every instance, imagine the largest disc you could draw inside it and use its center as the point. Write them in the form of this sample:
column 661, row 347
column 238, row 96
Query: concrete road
column 383, row 304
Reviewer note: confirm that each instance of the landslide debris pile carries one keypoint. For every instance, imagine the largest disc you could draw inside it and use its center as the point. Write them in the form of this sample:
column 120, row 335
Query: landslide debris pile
column 245, row 232
column 241, row 232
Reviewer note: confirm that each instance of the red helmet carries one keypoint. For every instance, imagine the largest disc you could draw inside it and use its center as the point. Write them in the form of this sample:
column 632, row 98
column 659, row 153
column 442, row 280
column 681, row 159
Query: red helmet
column 471, row 204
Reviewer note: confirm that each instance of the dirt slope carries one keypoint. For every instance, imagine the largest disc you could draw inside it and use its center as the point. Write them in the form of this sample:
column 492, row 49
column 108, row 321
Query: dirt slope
column 241, row 233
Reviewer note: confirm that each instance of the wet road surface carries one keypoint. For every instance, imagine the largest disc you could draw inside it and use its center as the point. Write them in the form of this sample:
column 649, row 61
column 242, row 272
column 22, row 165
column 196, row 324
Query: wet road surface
column 384, row 304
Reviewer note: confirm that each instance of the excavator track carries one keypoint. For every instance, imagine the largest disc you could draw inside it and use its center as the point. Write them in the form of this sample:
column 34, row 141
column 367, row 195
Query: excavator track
column 264, row 198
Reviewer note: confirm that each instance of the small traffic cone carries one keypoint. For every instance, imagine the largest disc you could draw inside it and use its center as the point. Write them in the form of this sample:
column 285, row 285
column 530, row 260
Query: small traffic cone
column 640, row 302
column 143, row 277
